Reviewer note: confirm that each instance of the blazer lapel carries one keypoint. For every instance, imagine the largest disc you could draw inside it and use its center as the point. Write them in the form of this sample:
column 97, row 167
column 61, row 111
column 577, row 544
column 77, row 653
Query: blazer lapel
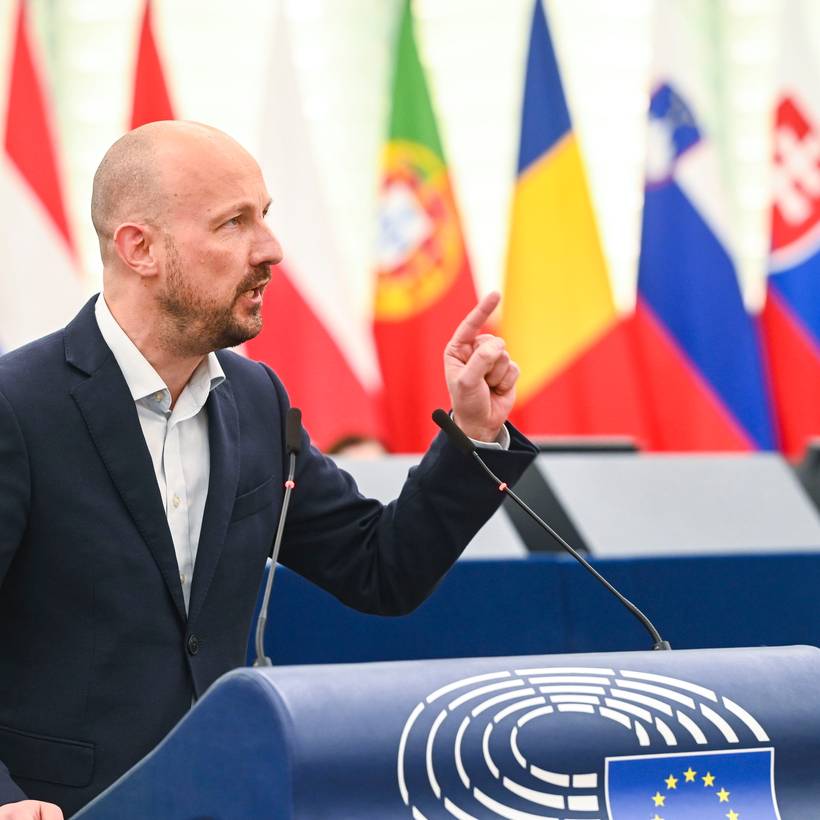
column 111, row 416
column 223, row 435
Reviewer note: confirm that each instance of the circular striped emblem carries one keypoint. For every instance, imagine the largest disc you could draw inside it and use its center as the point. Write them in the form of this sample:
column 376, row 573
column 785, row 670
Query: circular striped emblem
column 474, row 748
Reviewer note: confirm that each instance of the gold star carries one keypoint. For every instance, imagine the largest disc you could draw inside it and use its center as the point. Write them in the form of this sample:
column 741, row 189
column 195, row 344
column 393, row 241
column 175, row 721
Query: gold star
column 708, row 779
column 733, row 815
column 723, row 795
column 657, row 817
column 659, row 798
column 671, row 782
column 689, row 775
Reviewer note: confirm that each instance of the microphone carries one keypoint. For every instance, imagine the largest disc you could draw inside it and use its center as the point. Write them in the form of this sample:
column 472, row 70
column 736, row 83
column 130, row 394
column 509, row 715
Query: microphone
column 466, row 445
column 293, row 446
column 293, row 431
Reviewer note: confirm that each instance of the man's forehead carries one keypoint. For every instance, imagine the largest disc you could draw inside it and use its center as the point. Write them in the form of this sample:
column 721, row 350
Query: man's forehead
column 213, row 178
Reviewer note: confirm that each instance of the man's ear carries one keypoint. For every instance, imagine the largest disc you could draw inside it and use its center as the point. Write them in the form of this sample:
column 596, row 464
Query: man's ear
column 136, row 247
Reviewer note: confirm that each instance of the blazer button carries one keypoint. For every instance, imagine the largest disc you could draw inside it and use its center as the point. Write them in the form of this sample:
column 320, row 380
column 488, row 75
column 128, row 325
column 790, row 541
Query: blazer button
column 193, row 644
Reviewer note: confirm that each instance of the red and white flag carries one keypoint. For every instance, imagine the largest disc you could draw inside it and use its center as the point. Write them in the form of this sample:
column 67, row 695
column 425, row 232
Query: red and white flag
column 40, row 283
column 314, row 337
column 151, row 99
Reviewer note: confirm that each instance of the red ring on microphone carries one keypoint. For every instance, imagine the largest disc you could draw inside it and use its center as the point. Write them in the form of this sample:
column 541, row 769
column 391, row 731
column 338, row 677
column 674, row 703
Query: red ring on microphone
column 503, row 486
column 290, row 484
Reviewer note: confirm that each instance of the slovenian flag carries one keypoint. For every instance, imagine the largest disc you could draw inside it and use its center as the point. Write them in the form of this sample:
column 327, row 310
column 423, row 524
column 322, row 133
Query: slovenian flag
column 424, row 286
column 699, row 349
column 40, row 284
column 558, row 315
column 791, row 318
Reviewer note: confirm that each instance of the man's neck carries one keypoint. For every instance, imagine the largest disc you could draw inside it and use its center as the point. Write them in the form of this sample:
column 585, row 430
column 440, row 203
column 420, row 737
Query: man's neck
column 151, row 338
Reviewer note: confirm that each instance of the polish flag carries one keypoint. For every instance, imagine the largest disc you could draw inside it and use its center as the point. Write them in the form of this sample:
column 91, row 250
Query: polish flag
column 40, row 284
column 314, row 337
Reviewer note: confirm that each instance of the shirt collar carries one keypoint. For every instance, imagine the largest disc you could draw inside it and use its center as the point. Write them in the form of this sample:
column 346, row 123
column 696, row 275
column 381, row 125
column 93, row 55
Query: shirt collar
column 140, row 376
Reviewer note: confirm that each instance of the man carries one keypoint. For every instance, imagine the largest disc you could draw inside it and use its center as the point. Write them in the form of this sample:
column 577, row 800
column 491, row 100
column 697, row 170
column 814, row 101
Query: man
column 142, row 475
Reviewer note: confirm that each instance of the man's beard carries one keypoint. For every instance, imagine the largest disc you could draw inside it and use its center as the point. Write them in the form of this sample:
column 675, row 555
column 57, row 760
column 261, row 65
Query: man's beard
column 197, row 324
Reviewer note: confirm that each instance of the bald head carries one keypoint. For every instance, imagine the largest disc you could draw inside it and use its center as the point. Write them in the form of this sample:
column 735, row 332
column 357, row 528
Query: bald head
column 135, row 181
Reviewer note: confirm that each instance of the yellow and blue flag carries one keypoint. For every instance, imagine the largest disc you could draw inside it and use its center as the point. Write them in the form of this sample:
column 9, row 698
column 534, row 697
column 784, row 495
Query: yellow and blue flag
column 559, row 318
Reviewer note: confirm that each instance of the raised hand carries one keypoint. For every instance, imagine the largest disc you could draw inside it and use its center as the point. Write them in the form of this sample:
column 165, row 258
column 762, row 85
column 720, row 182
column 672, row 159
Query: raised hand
column 480, row 375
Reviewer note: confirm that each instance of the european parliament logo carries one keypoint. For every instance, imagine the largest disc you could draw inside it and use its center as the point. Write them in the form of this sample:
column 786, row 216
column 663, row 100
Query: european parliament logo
column 498, row 745
column 736, row 784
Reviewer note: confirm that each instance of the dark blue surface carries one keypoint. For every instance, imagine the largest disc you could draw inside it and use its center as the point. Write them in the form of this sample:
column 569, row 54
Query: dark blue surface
column 549, row 604
column 545, row 117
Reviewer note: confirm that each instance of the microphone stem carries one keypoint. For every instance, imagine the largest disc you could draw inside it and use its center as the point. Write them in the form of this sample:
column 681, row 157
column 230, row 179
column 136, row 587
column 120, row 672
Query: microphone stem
column 657, row 641
column 261, row 658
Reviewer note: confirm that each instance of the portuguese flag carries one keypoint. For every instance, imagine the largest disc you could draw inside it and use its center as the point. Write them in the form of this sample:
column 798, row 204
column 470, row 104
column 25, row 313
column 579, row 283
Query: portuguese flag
column 424, row 285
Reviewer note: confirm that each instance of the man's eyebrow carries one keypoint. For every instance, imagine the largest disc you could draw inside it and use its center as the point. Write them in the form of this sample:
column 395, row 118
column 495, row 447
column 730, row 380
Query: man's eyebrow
column 236, row 208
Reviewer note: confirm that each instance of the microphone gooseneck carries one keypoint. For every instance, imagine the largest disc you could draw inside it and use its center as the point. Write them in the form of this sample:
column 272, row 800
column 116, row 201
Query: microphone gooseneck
column 466, row 445
column 293, row 445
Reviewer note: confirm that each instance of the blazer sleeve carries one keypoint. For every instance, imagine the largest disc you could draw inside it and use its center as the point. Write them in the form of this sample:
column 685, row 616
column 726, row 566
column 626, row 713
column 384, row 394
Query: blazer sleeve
column 386, row 559
column 14, row 505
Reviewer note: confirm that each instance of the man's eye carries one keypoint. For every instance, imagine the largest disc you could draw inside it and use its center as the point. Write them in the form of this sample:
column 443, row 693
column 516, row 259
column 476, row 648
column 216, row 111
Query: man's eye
column 233, row 221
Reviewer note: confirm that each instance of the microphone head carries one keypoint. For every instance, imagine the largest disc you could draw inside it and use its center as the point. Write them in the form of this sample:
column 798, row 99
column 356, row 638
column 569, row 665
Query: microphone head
column 293, row 430
column 456, row 435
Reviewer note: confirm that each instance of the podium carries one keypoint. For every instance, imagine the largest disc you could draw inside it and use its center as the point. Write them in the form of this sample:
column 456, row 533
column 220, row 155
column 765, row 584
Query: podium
column 731, row 733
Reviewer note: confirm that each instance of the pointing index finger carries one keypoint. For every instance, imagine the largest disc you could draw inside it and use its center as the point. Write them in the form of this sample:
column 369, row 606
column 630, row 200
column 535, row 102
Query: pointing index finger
column 475, row 320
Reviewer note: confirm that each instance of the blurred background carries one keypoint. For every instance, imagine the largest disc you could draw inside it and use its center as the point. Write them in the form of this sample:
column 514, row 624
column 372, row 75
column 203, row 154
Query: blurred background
column 640, row 179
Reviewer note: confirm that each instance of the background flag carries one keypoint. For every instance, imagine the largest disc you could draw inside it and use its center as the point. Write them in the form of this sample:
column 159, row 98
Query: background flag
column 558, row 316
column 699, row 349
column 791, row 318
column 312, row 337
column 151, row 100
column 40, row 285
column 424, row 286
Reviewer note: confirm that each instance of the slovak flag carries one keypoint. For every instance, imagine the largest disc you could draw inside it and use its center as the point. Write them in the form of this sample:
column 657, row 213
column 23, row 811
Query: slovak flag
column 40, row 284
column 791, row 317
column 699, row 350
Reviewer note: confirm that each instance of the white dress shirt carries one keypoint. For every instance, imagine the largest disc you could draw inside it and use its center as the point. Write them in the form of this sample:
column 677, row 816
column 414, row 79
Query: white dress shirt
column 177, row 439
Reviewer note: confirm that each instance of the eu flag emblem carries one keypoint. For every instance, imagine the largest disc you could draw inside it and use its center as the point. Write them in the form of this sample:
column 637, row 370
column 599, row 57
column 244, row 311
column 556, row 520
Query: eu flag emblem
column 737, row 784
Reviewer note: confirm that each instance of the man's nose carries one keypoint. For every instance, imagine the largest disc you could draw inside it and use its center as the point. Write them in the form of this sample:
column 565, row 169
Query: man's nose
column 266, row 249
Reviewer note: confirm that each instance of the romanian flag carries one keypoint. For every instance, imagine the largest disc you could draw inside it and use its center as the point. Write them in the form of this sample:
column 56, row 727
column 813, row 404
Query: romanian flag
column 424, row 285
column 151, row 100
column 791, row 318
column 40, row 284
column 559, row 318
column 700, row 350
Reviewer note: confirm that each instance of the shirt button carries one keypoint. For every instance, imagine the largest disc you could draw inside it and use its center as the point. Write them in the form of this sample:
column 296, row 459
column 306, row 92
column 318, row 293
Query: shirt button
column 176, row 501
column 193, row 645
column 158, row 396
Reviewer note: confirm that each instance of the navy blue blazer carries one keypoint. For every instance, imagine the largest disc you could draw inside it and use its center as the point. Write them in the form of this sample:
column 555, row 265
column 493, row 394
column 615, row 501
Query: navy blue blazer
column 98, row 659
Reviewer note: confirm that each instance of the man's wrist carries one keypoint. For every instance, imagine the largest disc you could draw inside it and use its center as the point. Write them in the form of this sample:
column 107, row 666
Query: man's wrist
column 500, row 439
